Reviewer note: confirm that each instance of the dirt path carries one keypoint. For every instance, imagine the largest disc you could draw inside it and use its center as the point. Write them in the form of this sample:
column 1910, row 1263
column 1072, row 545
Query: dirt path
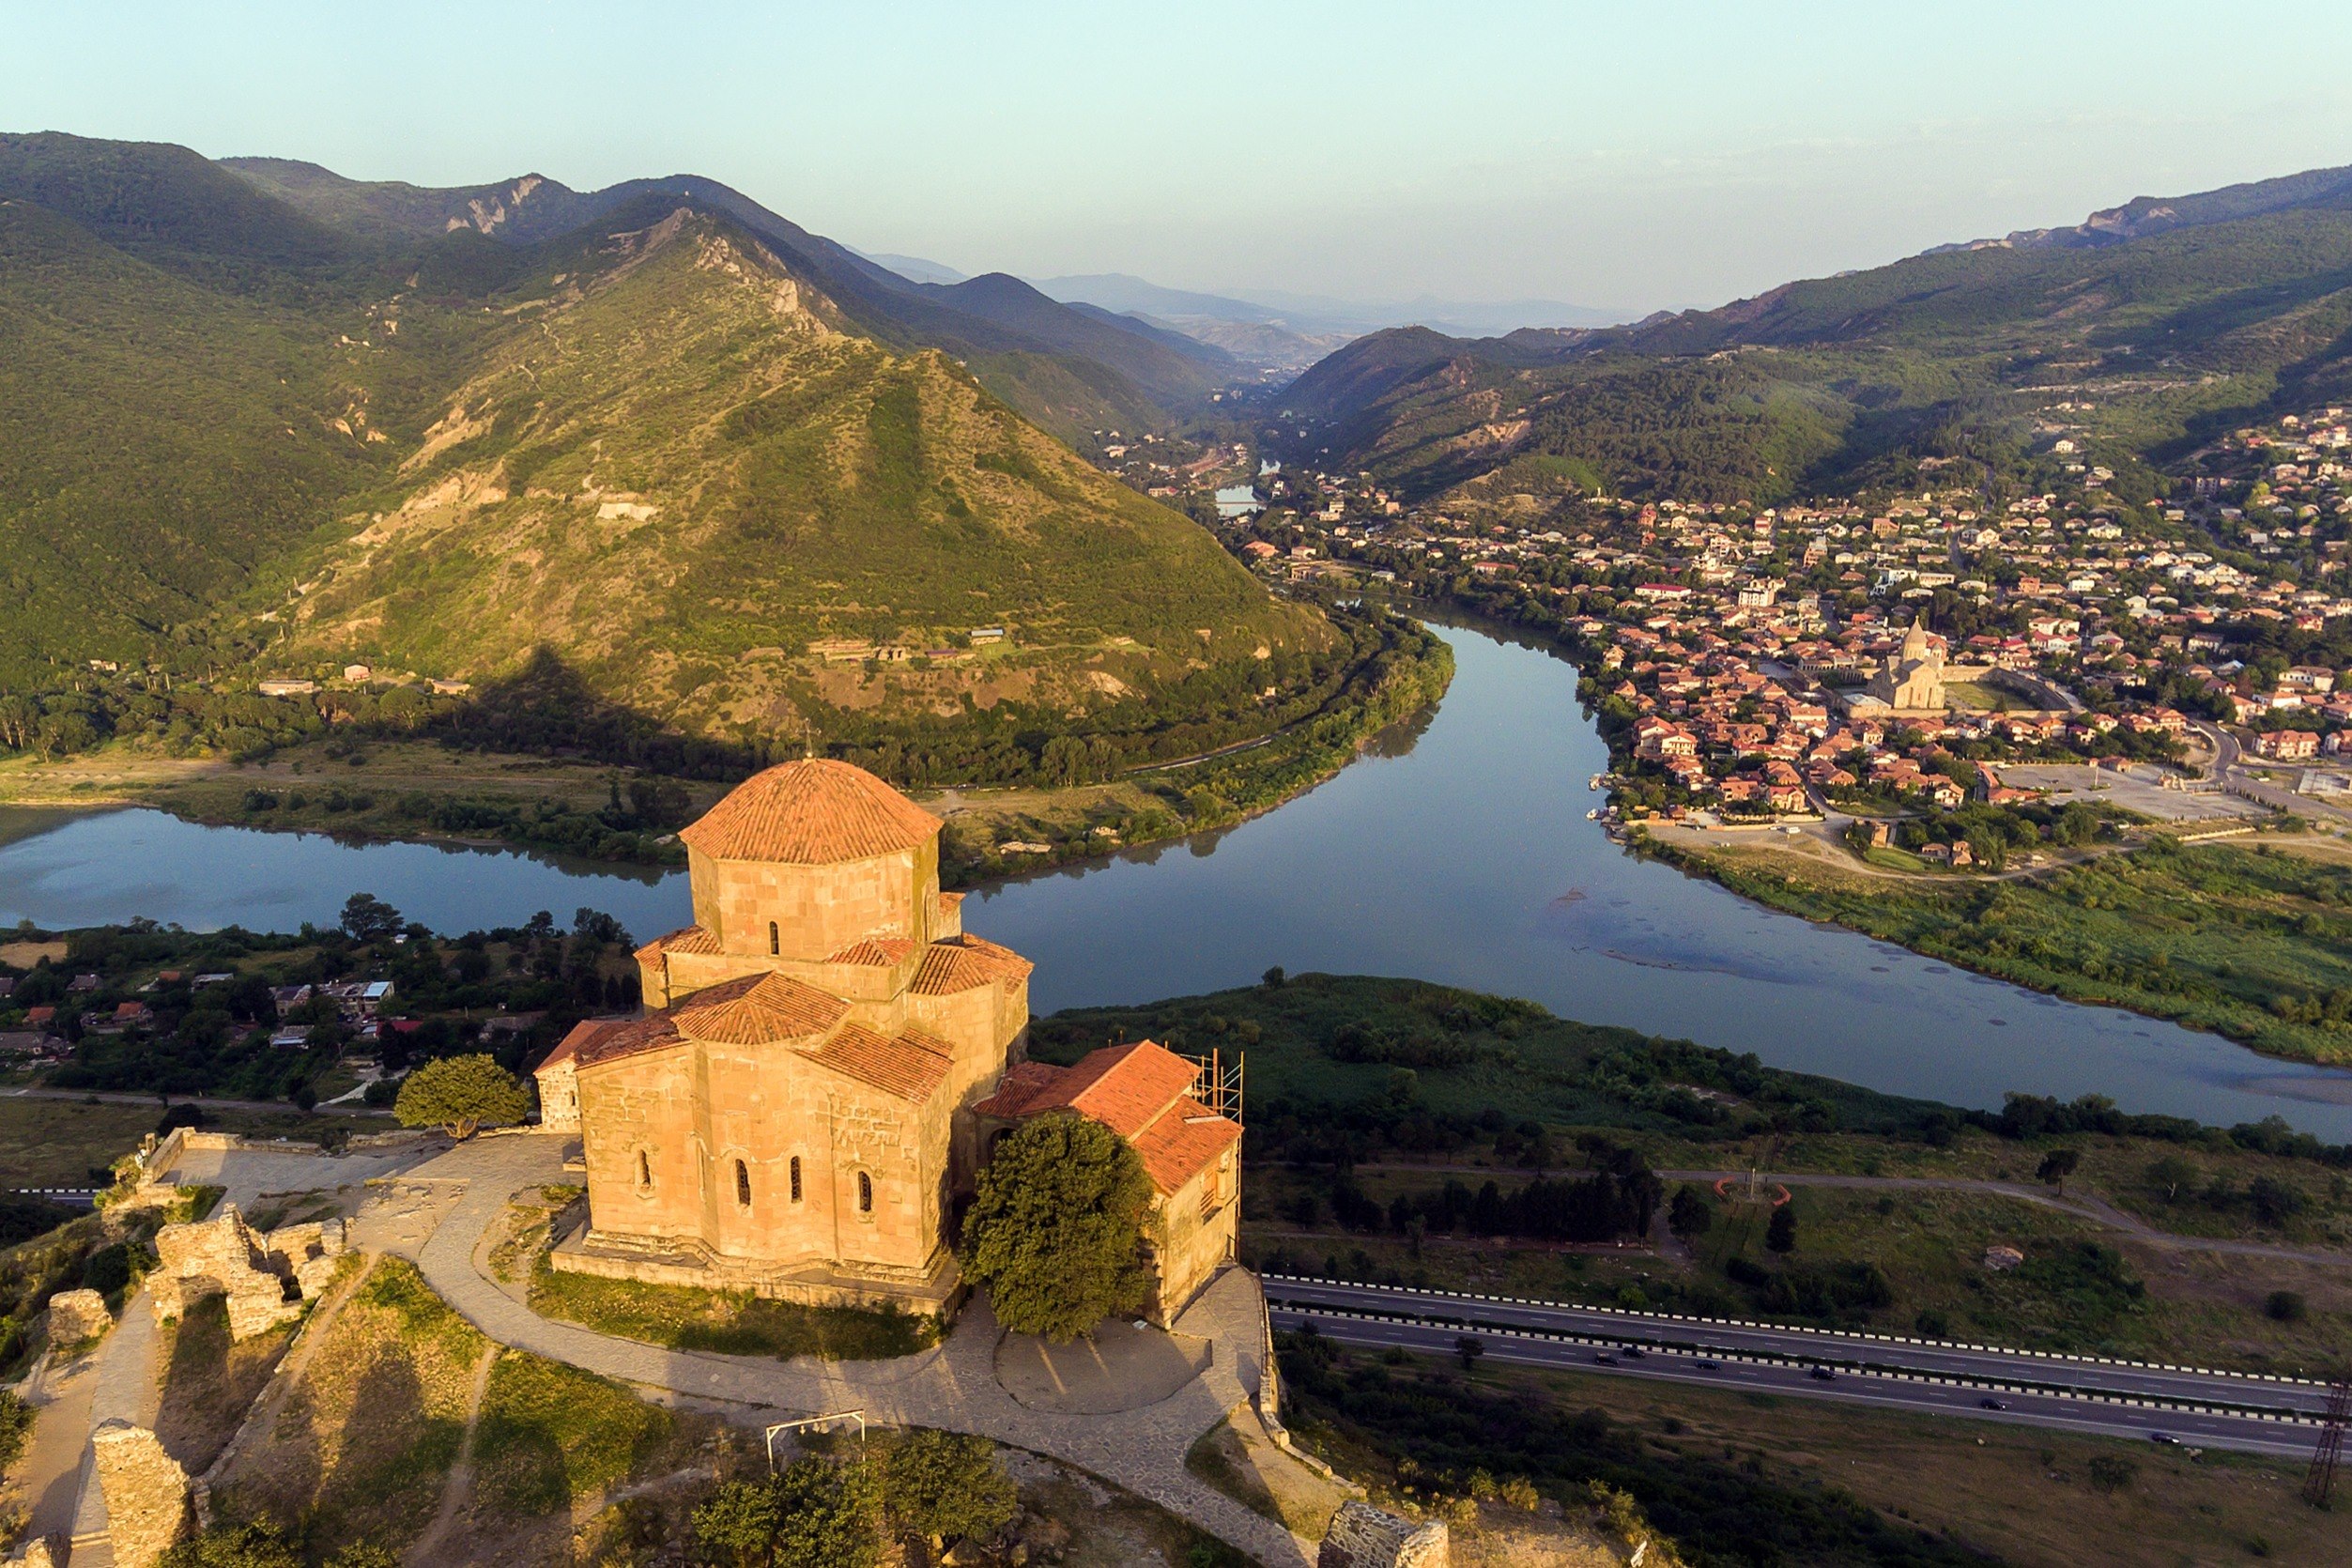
column 458, row 1489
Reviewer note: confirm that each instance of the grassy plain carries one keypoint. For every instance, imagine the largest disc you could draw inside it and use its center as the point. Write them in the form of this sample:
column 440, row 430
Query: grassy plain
column 2255, row 942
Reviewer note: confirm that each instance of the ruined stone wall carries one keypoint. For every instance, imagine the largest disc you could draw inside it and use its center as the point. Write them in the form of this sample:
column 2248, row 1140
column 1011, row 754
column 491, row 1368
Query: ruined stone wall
column 267, row 1276
column 76, row 1316
column 1363, row 1536
column 146, row 1492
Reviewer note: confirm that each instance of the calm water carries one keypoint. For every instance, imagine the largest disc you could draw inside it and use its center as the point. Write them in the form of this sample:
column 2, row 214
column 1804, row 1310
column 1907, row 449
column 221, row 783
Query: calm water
column 1456, row 852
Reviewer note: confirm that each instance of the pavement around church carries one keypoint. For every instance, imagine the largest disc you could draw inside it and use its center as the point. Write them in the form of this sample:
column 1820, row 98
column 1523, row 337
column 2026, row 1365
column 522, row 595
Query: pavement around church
column 954, row 1387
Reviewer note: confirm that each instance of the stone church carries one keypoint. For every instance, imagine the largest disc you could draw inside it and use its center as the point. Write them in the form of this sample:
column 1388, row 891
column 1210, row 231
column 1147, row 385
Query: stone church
column 801, row 1107
column 1911, row 682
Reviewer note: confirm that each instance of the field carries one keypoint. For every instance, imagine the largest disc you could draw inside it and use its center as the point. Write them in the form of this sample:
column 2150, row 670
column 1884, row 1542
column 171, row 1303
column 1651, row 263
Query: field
column 1370, row 1097
column 70, row 1142
column 2252, row 943
column 2025, row 1497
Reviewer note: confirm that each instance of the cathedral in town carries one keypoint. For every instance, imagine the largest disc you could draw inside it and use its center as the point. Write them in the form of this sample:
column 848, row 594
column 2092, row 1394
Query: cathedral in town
column 824, row 1057
column 1910, row 682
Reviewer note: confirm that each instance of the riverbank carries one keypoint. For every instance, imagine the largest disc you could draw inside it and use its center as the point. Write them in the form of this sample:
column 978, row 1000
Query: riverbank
column 408, row 790
column 2254, row 943
column 2248, row 940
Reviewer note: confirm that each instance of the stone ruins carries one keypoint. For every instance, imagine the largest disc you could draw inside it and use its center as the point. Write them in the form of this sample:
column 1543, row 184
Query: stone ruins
column 267, row 1276
column 146, row 1490
column 77, row 1317
column 1363, row 1536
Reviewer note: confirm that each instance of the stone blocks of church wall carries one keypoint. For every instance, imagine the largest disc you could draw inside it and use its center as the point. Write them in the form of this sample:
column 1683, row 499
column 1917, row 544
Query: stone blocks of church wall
column 1188, row 1249
column 816, row 910
column 901, row 1149
column 643, row 1105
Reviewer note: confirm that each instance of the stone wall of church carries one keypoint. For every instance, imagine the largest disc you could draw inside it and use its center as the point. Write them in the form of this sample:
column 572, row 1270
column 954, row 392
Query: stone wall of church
column 1195, row 1231
column 810, row 913
column 717, row 1129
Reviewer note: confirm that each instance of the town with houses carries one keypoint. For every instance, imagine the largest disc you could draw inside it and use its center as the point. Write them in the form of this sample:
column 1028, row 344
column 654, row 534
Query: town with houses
column 1897, row 651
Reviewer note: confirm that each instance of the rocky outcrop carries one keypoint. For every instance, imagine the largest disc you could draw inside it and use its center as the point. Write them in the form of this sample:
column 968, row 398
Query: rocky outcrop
column 1363, row 1536
column 145, row 1491
column 267, row 1276
column 76, row 1317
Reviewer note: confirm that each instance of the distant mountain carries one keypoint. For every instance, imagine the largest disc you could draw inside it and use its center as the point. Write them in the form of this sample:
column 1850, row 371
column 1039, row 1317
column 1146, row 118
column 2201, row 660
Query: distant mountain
column 915, row 269
column 1070, row 372
column 622, row 474
column 2147, row 215
column 2156, row 323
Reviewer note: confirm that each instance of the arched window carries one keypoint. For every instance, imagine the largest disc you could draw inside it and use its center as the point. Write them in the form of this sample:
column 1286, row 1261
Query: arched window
column 644, row 1169
column 742, row 1184
column 796, row 1179
column 865, row 1193
column 776, row 940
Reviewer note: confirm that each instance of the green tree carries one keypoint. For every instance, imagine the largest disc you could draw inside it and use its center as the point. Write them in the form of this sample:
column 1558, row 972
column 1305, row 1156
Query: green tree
column 1690, row 1215
column 737, row 1526
column 458, row 1094
column 941, row 1485
column 369, row 918
column 1781, row 1234
column 1057, row 1230
column 2057, row 1166
column 829, row 1514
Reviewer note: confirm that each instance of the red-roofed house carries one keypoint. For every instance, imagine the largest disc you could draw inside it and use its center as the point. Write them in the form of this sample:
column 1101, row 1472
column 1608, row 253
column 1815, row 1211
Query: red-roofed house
column 1144, row 1093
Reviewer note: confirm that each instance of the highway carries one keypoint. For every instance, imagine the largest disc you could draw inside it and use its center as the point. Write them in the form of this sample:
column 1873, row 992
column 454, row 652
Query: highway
column 2201, row 1408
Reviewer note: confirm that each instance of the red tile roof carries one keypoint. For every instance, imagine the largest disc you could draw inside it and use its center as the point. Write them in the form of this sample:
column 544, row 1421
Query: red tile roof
column 686, row 939
column 1140, row 1092
column 653, row 1032
column 965, row 963
column 875, row 952
column 909, row 1068
column 811, row 813
column 568, row 1048
column 1182, row 1143
column 758, row 1008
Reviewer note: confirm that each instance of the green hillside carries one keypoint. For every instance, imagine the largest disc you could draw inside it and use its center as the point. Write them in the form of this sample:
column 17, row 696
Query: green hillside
column 674, row 471
column 619, row 485
column 2205, row 321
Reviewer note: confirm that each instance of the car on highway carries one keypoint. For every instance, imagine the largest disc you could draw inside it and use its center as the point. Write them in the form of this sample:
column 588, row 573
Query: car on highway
column 1634, row 1352
column 1604, row 1359
column 2164, row 1438
column 1708, row 1364
column 1822, row 1374
column 1990, row 1404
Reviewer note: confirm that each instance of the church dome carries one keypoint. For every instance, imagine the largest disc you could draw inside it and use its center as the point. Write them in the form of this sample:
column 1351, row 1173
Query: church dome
column 817, row 812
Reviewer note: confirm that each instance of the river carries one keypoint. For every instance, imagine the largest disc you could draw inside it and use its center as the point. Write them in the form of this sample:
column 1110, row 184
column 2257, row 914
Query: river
column 1457, row 849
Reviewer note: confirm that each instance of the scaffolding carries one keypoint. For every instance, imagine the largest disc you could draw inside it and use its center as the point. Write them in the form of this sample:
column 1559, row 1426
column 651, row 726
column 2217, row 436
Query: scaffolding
column 2320, row 1480
column 1219, row 1086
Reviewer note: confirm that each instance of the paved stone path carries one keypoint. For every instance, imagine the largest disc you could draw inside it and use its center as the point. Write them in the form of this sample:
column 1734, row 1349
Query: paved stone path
column 953, row 1388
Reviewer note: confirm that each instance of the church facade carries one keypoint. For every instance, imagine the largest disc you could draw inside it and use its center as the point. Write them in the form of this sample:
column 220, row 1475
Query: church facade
column 1910, row 684
column 798, row 1111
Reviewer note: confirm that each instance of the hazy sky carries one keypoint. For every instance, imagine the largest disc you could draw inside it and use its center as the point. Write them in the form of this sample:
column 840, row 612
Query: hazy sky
column 1643, row 153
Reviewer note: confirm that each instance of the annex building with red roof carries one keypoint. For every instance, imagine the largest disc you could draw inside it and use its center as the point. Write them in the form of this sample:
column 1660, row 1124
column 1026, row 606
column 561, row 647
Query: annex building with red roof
column 824, row 1057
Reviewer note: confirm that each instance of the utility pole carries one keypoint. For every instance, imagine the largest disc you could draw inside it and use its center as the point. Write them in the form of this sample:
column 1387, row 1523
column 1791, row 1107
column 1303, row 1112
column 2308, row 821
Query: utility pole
column 2320, row 1480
